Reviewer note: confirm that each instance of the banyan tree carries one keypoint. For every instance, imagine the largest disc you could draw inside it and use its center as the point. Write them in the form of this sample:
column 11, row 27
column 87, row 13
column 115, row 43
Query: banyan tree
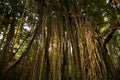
column 58, row 39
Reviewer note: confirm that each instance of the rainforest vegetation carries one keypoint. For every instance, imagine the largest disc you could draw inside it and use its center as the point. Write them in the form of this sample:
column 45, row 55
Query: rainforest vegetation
column 59, row 39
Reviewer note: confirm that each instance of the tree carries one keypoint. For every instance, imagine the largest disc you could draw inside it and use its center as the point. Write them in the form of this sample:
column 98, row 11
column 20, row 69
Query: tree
column 65, row 41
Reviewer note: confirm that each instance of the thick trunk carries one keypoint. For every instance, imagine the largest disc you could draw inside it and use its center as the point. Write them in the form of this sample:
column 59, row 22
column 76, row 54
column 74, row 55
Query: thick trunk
column 95, row 61
column 71, row 49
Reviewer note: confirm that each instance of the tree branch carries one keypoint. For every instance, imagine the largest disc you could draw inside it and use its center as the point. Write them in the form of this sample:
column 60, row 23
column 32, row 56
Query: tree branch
column 107, row 34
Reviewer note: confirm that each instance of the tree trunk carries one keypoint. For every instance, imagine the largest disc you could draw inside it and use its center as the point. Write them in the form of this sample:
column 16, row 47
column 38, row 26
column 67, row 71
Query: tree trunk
column 95, row 61
column 74, row 35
